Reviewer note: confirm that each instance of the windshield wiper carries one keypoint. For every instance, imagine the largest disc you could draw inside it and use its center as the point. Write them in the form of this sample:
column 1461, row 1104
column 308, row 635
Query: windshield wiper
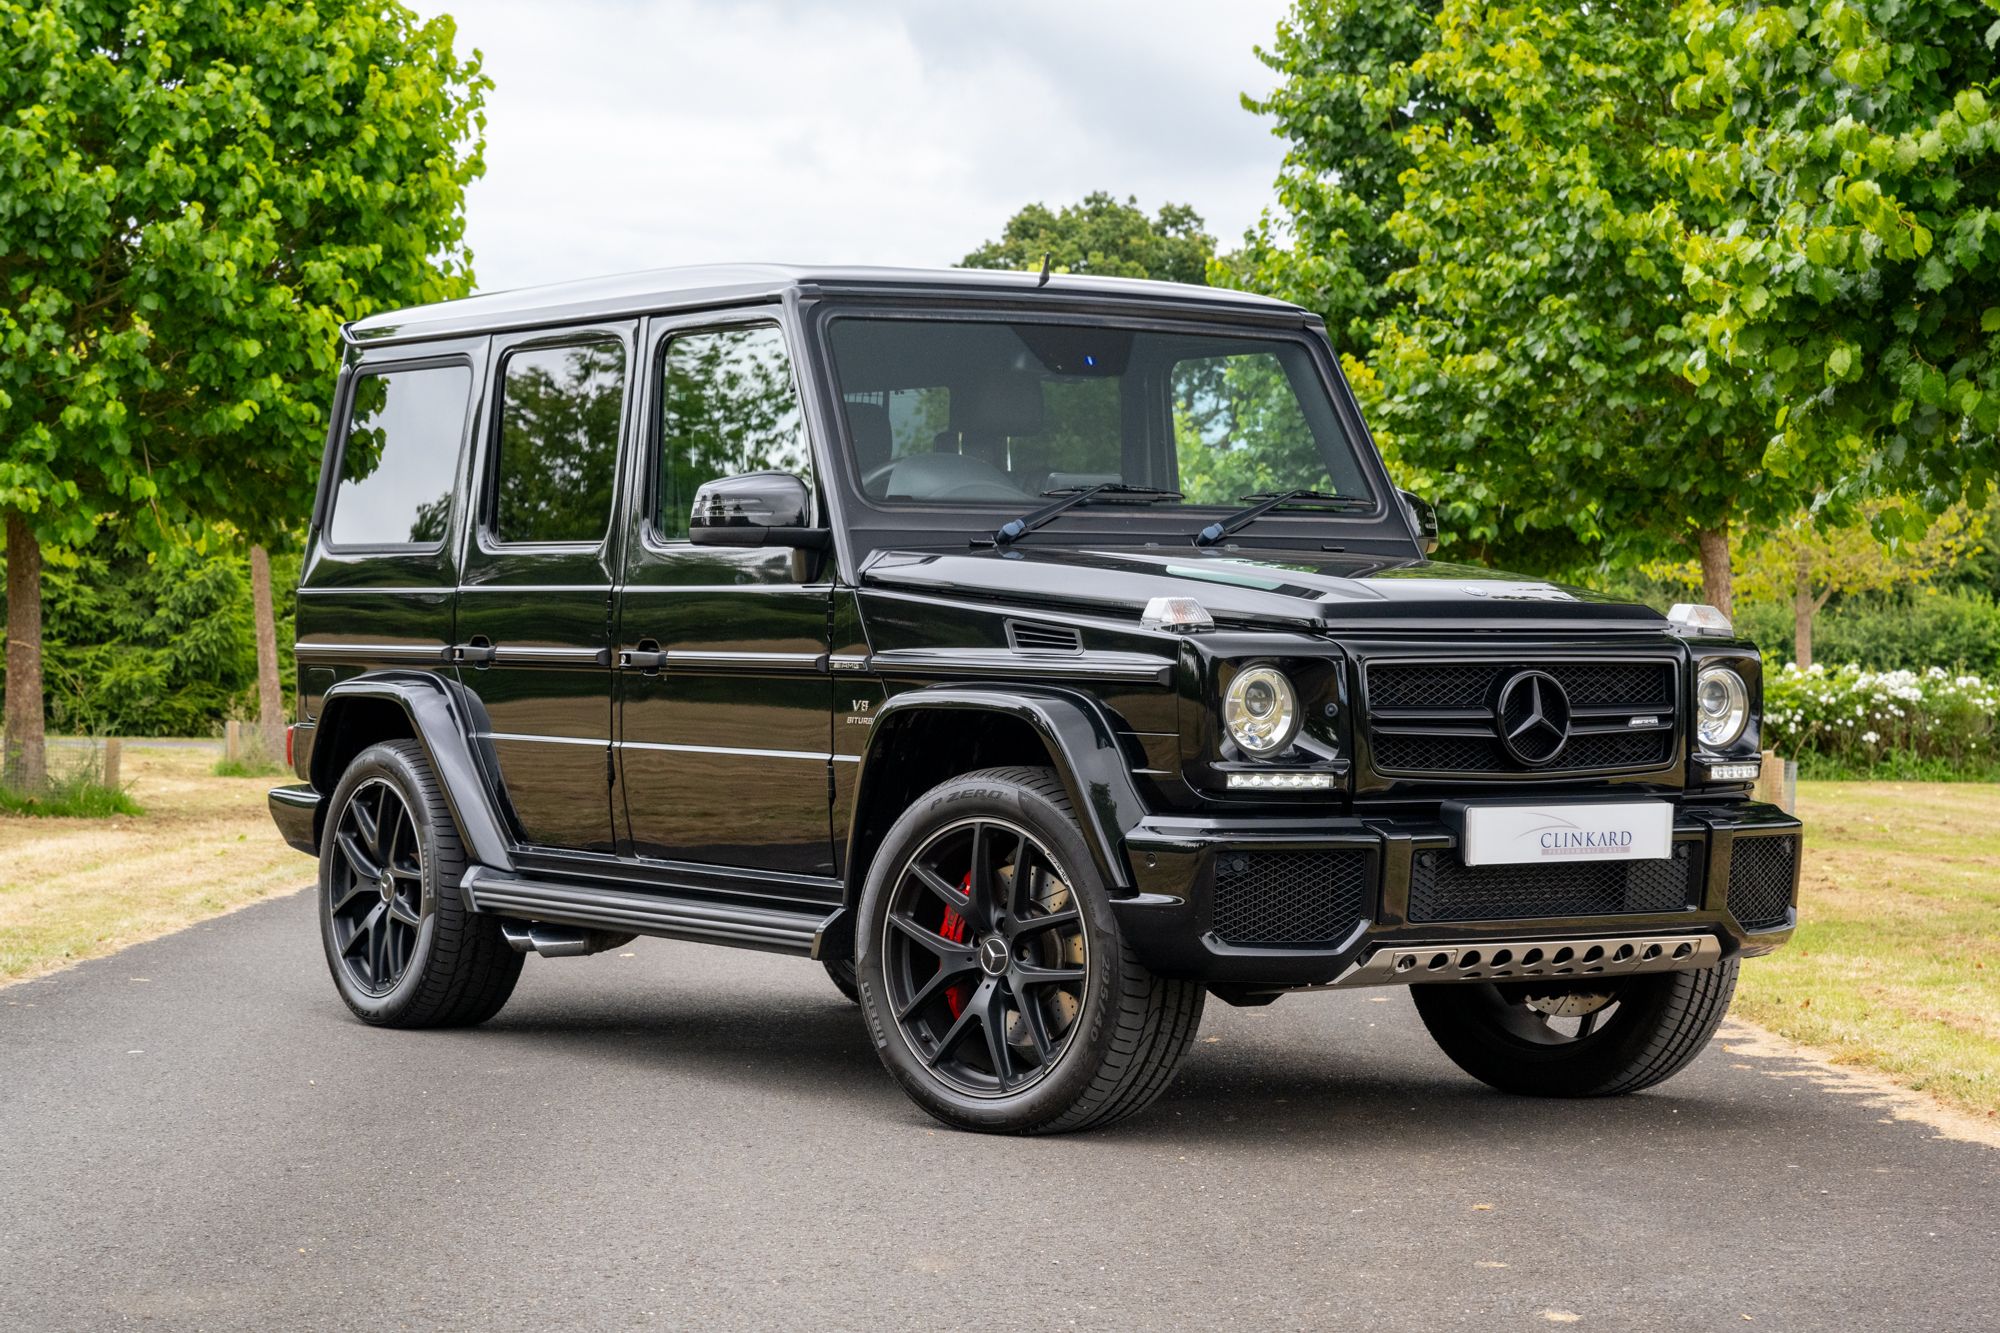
column 1266, row 502
column 1072, row 496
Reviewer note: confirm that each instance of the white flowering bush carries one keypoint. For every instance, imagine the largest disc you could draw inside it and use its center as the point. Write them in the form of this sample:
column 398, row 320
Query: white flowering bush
column 1865, row 717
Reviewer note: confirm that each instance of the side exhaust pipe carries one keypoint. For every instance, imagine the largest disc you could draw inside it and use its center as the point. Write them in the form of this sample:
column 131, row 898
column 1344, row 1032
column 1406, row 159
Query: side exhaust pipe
column 559, row 941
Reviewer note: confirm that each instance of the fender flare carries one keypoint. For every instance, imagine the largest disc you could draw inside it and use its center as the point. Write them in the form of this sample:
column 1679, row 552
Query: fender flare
column 441, row 719
column 1083, row 748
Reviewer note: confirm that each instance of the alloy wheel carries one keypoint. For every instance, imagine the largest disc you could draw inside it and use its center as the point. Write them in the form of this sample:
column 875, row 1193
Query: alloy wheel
column 986, row 957
column 376, row 895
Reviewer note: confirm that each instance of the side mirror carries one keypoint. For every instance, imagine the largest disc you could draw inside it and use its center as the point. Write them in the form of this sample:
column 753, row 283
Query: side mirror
column 1424, row 518
column 755, row 509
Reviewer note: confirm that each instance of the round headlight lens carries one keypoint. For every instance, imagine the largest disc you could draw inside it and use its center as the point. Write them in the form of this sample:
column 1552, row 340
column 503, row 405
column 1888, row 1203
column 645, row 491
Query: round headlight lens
column 1260, row 710
column 1722, row 706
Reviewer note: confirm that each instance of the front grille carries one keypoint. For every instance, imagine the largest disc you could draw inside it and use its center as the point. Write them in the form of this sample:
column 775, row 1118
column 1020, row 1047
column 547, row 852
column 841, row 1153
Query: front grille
column 1296, row 898
column 1761, row 874
column 1444, row 889
column 1437, row 718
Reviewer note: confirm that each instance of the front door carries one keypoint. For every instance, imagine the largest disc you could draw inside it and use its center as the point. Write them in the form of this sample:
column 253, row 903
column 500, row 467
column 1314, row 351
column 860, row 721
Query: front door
column 534, row 629
column 725, row 700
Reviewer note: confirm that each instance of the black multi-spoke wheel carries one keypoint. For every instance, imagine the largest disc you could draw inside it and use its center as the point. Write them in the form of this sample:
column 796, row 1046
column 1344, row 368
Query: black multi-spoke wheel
column 403, row 950
column 992, row 971
column 1578, row 1039
column 379, row 903
column 984, row 956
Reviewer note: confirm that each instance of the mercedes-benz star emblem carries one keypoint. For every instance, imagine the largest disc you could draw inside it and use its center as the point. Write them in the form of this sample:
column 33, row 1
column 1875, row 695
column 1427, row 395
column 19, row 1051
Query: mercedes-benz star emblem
column 993, row 955
column 1532, row 717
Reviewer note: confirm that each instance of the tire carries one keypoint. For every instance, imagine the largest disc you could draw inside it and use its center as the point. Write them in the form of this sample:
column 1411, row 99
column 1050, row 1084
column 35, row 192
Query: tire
column 404, row 953
column 1661, row 1023
column 840, row 971
column 1072, row 1031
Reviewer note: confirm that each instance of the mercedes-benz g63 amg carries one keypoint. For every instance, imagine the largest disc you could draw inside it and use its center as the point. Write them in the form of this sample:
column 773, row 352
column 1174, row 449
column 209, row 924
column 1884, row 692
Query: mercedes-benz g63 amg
column 1042, row 658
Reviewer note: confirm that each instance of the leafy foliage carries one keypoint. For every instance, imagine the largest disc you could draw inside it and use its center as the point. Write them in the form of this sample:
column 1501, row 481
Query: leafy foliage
column 1348, row 96
column 1861, row 718
column 1474, row 191
column 141, row 644
column 1848, row 162
column 1911, row 629
column 1102, row 236
column 192, row 198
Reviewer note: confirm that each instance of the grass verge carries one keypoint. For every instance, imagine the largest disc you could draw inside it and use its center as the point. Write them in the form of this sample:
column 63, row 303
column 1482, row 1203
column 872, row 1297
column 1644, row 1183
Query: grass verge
column 72, row 889
column 75, row 790
column 248, row 768
column 1815, row 767
column 1896, row 963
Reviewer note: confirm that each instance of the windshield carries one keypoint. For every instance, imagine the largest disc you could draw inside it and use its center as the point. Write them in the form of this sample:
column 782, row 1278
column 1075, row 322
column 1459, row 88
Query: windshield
column 988, row 412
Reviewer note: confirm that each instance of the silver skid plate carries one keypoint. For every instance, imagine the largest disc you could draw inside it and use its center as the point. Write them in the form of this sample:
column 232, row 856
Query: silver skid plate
column 1540, row 960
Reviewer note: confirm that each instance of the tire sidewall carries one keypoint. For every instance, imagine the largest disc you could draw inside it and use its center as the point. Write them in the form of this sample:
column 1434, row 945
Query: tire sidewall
column 389, row 764
column 954, row 802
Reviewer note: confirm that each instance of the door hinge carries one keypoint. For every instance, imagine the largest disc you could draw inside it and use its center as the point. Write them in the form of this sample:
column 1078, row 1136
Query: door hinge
column 610, row 768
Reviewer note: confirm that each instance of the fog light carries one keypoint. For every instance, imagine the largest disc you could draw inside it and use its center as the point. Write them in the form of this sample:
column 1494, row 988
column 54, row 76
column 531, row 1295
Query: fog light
column 1735, row 772
column 1280, row 781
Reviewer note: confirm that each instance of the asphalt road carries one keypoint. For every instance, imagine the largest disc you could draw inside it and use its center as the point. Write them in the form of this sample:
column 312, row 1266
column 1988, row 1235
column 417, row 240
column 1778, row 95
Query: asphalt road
column 193, row 1134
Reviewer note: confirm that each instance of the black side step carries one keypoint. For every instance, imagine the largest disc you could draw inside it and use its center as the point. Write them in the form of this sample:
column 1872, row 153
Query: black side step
column 771, row 929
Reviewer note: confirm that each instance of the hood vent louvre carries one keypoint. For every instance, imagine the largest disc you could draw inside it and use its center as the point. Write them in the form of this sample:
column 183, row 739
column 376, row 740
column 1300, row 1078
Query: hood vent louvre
column 1027, row 637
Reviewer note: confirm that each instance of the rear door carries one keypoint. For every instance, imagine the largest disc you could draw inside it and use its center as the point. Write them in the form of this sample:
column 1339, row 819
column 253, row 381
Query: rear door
column 534, row 623
column 376, row 590
column 724, row 742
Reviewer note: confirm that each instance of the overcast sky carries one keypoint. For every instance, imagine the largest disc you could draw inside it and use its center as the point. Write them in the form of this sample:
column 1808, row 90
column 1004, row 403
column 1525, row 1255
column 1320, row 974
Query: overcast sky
column 628, row 134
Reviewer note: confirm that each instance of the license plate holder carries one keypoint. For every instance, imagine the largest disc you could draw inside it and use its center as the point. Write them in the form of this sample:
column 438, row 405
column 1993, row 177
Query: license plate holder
column 1555, row 833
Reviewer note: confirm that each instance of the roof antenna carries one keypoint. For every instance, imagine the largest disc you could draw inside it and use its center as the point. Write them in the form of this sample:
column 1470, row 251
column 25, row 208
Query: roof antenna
column 1047, row 258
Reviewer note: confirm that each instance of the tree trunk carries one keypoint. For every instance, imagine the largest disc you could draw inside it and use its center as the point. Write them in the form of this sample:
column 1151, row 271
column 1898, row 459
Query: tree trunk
column 1804, row 607
column 1713, row 544
column 270, row 694
column 26, row 762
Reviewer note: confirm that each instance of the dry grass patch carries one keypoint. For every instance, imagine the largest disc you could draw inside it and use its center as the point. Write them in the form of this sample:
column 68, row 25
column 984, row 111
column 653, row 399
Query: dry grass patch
column 72, row 889
column 1896, row 964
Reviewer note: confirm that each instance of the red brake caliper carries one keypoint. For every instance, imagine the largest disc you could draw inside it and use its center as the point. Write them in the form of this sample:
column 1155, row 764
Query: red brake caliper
column 954, row 929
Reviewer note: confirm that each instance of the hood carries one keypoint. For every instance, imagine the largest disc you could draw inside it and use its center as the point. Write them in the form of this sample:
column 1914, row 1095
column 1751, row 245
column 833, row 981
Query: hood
column 1305, row 591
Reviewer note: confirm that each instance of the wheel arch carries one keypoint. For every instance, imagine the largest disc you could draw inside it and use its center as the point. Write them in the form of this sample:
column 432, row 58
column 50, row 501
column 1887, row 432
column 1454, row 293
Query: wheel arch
column 406, row 705
column 923, row 737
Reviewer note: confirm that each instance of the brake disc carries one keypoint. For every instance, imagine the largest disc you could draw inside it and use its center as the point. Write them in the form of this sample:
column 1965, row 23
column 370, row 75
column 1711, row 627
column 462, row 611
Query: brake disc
column 1056, row 949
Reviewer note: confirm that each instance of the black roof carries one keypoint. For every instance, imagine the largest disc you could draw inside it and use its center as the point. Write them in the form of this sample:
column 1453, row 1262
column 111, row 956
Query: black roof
column 705, row 285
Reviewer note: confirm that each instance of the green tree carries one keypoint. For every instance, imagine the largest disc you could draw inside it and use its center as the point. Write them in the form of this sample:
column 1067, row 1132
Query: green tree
column 1852, row 162
column 1529, row 366
column 1347, row 97
column 193, row 196
column 1102, row 236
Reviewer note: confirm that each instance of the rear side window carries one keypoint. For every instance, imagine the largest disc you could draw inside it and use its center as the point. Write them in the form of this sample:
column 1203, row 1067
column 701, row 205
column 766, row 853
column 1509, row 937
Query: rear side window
column 727, row 406
column 400, row 457
column 560, row 409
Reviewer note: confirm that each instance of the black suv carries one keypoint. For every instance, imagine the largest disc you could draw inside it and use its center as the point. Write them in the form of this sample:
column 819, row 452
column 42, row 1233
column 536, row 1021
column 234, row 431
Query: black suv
column 1041, row 656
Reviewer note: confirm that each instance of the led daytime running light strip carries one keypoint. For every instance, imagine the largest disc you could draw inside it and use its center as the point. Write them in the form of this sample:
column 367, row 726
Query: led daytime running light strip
column 1281, row 781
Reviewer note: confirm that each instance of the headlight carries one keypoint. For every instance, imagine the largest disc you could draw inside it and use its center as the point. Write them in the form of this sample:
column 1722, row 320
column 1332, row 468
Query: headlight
column 1722, row 706
column 1260, row 710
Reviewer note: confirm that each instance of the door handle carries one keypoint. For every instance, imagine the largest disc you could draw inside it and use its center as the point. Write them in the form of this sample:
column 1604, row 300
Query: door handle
column 646, row 657
column 479, row 653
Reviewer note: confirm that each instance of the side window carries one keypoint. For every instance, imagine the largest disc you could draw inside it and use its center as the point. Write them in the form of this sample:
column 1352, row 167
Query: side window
column 728, row 405
column 400, row 457
column 560, row 409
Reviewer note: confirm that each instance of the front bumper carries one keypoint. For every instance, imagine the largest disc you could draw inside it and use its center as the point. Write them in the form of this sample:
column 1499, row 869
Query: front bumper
column 1336, row 893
